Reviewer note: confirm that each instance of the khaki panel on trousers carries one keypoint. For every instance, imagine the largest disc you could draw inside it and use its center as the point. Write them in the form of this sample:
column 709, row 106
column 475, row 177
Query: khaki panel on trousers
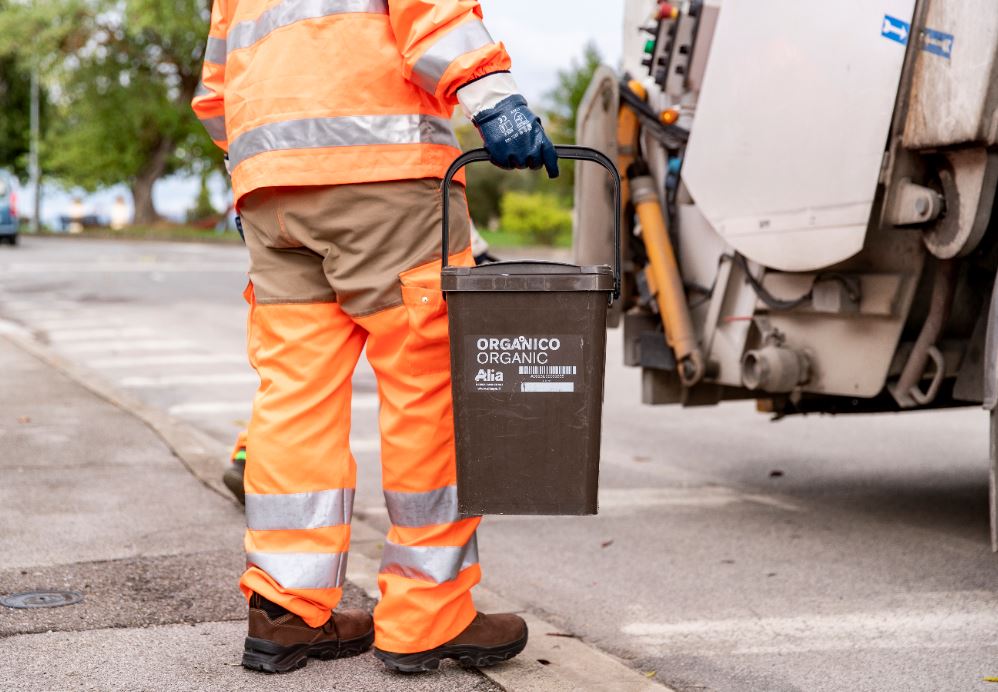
column 365, row 236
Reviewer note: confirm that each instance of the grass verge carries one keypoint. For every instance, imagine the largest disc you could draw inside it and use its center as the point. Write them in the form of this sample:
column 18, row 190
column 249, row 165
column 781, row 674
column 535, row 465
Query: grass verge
column 185, row 234
column 504, row 239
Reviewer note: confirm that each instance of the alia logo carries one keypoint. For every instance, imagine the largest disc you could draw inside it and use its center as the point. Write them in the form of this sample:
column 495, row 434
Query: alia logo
column 489, row 376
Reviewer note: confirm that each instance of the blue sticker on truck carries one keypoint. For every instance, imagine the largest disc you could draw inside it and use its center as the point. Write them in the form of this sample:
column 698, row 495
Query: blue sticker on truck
column 895, row 29
column 937, row 42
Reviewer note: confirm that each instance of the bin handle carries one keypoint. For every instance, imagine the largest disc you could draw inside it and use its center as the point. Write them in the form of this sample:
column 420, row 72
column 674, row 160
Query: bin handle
column 576, row 153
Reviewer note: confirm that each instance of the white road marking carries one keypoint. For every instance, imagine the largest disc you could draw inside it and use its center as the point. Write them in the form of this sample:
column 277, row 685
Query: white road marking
column 696, row 496
column 42, row 307
column 67, row 326
column 361, row 402
column 167, row 359
column 91, row 334
column 37, row 317
column 123, row 268
column 12, row 328
column 175, row 380
column 931, row 627
column 200, row 408
column 128, row 345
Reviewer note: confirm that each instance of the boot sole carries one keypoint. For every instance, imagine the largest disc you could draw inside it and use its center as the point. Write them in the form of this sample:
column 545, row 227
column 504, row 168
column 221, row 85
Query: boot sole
column 471, row 656
column 268, row 657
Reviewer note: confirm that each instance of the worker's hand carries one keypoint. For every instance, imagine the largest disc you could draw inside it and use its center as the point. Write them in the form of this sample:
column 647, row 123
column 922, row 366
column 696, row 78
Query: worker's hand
column 515, row 138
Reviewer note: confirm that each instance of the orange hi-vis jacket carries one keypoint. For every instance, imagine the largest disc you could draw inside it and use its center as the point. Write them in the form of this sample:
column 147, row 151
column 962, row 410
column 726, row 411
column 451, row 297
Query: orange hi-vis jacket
column 329, row 92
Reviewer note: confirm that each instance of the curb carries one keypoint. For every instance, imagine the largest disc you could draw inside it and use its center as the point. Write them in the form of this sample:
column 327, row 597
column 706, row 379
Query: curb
column 553, row 661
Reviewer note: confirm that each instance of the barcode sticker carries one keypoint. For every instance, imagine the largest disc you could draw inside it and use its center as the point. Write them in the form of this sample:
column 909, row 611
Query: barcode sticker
column 548, row 370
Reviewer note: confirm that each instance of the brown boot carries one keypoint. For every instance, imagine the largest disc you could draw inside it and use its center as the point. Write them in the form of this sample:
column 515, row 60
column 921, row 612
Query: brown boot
column 233, row 479
column 488, row 640
column 280, row 641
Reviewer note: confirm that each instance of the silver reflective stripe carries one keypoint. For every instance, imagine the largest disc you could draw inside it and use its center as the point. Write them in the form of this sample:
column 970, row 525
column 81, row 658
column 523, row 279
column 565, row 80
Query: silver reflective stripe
column 302, row 570
column 245, row 34
column 214, row 52
column 202, row 91
column 215, row 128
column 299, row 511
column 423, row 509
column 435, row 564
column 355, row 130
column 466, row 38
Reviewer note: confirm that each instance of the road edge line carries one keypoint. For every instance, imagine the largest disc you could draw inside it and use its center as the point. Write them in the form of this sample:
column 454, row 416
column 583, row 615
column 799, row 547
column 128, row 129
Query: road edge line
column 571, row 664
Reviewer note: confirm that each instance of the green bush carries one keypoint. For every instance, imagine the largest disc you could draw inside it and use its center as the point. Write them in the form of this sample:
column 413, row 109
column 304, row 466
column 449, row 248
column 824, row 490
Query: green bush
column 538, row 216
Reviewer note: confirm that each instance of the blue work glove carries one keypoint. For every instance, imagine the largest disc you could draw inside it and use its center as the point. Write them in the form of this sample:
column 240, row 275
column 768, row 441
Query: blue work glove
column 515, row 138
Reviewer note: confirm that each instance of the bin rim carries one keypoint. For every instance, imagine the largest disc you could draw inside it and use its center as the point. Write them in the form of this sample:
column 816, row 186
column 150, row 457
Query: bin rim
column 528, row 277
column 491, row 267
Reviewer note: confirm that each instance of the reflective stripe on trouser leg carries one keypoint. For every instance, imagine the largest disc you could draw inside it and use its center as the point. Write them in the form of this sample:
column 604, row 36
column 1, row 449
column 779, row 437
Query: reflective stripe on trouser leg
column 415, row 509
column 430, row 559
column 300, row 475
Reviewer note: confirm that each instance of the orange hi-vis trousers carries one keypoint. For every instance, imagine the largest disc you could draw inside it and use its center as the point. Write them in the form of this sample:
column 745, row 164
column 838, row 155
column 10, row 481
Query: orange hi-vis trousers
column 335, row 269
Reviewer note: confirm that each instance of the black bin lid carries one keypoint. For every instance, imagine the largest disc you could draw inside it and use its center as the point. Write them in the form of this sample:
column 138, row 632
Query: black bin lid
column 527, row 276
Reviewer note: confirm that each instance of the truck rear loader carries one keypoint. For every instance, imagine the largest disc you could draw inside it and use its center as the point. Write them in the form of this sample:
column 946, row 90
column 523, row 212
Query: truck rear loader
column 810, row 199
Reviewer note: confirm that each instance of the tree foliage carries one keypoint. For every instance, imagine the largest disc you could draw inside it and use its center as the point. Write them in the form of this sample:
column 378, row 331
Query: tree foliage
column 125, row 72
column 563, row 106
column 15, row 108
column 539, row 216
column 564, row 100
column 15, row 96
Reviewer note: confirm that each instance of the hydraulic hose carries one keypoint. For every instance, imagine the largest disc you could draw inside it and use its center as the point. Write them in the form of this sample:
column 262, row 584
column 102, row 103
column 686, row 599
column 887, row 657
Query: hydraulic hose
column 906, row 391
column 669, row 292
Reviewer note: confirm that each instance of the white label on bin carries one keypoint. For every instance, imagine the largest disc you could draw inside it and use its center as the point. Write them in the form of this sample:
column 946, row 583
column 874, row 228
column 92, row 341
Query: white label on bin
column 525, row 364
column 547, row 386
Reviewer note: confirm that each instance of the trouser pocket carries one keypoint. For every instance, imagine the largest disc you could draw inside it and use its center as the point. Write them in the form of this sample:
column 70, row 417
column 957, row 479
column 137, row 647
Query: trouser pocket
column 427, row 345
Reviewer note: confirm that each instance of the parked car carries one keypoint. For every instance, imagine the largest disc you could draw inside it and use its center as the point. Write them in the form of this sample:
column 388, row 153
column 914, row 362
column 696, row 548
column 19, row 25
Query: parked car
column 8, row 211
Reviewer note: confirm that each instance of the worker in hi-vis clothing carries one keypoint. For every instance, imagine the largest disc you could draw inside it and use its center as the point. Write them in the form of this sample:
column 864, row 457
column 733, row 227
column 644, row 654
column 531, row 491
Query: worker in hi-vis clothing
column 232, row 477
column 336, row 119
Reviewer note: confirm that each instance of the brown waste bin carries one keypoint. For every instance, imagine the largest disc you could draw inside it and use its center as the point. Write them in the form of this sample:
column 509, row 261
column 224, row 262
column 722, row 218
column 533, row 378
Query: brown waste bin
column 528, row 351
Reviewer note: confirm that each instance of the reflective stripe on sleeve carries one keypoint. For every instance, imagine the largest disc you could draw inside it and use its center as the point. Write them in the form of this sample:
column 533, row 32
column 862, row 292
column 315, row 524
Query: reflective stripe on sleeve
column 202, row 91
column 423, row 509
column 215, row 51
column 245, row 34
column 302, row 570
column 467, row 37
column 299, row 511
column 216, row 130
column 358, row 130
column 437, row 564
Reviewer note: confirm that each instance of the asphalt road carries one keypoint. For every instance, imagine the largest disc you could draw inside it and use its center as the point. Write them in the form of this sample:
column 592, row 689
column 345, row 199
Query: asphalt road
column 730, row 553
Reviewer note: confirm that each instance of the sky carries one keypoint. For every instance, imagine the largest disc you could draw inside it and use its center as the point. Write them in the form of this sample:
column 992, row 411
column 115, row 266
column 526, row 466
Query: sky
column 542, row 36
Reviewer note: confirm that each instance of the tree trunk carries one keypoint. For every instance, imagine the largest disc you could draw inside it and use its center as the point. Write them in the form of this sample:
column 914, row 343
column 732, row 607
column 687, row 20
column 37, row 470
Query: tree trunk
column 145, row 209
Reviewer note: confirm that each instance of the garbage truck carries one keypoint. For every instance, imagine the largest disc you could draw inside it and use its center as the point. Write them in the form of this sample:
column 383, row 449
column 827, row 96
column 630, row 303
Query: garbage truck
column 809, row 204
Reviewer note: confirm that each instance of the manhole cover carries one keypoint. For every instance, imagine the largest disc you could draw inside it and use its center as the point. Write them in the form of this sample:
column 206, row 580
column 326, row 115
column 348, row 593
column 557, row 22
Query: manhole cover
column 41, row 599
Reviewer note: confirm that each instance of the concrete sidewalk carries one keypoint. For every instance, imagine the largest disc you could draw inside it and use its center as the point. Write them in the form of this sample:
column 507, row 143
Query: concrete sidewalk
column 93, row 501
